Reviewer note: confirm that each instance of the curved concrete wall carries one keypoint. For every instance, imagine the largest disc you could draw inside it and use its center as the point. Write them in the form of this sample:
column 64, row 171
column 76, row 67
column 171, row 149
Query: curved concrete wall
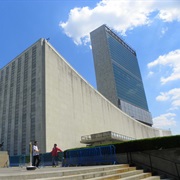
column 74, row 108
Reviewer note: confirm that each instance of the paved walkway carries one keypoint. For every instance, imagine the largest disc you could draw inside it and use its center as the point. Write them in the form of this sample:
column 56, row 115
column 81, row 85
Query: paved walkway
column 13, row 173
column 17, row 172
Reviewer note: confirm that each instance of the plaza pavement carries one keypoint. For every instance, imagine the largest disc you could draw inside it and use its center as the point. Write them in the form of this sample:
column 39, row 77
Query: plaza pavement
column 14, row 173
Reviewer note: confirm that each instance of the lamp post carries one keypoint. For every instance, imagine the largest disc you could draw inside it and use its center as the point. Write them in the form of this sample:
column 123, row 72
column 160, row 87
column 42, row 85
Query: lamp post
column 30, row 167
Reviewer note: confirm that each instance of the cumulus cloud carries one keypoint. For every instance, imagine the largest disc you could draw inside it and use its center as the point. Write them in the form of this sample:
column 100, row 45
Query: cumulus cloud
column 162, row 97
column 170, row 13
column 120, row 15
column 173, row 96
column 170, row 61
column 164, row 120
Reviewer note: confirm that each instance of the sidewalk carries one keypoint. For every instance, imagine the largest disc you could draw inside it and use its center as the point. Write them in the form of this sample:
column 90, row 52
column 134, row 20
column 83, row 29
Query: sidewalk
column 14, row 173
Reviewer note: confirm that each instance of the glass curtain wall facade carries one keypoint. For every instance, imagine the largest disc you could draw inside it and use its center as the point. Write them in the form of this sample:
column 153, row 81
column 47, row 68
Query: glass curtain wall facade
column 118, row 75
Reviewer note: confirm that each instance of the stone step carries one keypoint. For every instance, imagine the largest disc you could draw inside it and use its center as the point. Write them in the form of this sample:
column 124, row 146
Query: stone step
column 49, row 172
column 138, row 176
column 131, row 174
column 152, row 178
column 96, row 169
column 119, row 175
column 90, row 175
column 105, row 172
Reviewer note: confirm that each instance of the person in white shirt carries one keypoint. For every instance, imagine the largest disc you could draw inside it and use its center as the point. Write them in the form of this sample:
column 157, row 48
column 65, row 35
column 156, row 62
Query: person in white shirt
column 36, row 158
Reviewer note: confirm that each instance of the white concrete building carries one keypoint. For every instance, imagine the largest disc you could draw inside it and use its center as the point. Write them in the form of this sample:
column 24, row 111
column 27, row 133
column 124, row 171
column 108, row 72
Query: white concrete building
column 43, row 98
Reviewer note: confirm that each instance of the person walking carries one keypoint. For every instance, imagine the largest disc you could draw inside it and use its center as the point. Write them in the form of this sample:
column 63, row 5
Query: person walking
column 36, row 158
column 54, row 153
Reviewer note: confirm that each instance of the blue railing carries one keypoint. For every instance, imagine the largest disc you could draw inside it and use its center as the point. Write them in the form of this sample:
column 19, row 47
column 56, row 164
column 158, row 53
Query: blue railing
column 17, row 161
column 90, row 156
column 23, row 160
column 80, row 157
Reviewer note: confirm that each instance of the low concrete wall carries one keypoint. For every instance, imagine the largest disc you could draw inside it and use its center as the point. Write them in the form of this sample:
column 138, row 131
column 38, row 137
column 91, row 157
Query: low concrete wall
column 165, row 162
column 4, row 159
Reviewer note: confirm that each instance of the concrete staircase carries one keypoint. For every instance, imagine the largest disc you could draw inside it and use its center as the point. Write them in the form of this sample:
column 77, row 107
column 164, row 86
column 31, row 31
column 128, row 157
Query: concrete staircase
column 110, row 172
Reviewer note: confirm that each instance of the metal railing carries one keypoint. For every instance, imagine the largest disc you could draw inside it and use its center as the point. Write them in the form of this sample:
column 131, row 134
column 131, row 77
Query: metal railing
column 133, row 161
column 105, row 135
column 90, row 156
column 24, row 160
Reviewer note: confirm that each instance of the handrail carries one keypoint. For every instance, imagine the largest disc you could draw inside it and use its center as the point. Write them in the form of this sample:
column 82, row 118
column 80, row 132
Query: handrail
column 151, row 166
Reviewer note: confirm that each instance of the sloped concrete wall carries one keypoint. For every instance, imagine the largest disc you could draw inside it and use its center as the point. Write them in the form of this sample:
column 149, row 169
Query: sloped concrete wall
column 74, row 108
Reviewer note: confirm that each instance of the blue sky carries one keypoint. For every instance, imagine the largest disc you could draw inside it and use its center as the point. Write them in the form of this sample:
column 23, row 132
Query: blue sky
column 150, row 27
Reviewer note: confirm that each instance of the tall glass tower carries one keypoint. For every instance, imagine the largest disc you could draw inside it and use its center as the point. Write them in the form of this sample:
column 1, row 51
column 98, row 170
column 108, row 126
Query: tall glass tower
column 118, row 75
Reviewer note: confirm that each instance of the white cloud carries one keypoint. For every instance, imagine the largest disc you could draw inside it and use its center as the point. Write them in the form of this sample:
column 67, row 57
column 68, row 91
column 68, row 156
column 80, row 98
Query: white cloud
column 162, row 97
column 170, row 61
column 163, row 31
column 173, row 96
column 168, row 14
column 164, row 120
column 151, row 73
column 120, row 15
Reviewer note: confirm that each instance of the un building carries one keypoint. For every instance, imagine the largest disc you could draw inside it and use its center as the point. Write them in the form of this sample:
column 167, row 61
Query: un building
column 118, row 75
column 43, row 98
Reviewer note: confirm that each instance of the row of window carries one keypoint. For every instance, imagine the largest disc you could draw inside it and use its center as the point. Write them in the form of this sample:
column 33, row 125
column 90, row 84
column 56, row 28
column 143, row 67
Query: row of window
column 33, row 93
column 122, row 56
column 129, row 88
column 136, row 112
column 10, row 82
column 16, row 123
